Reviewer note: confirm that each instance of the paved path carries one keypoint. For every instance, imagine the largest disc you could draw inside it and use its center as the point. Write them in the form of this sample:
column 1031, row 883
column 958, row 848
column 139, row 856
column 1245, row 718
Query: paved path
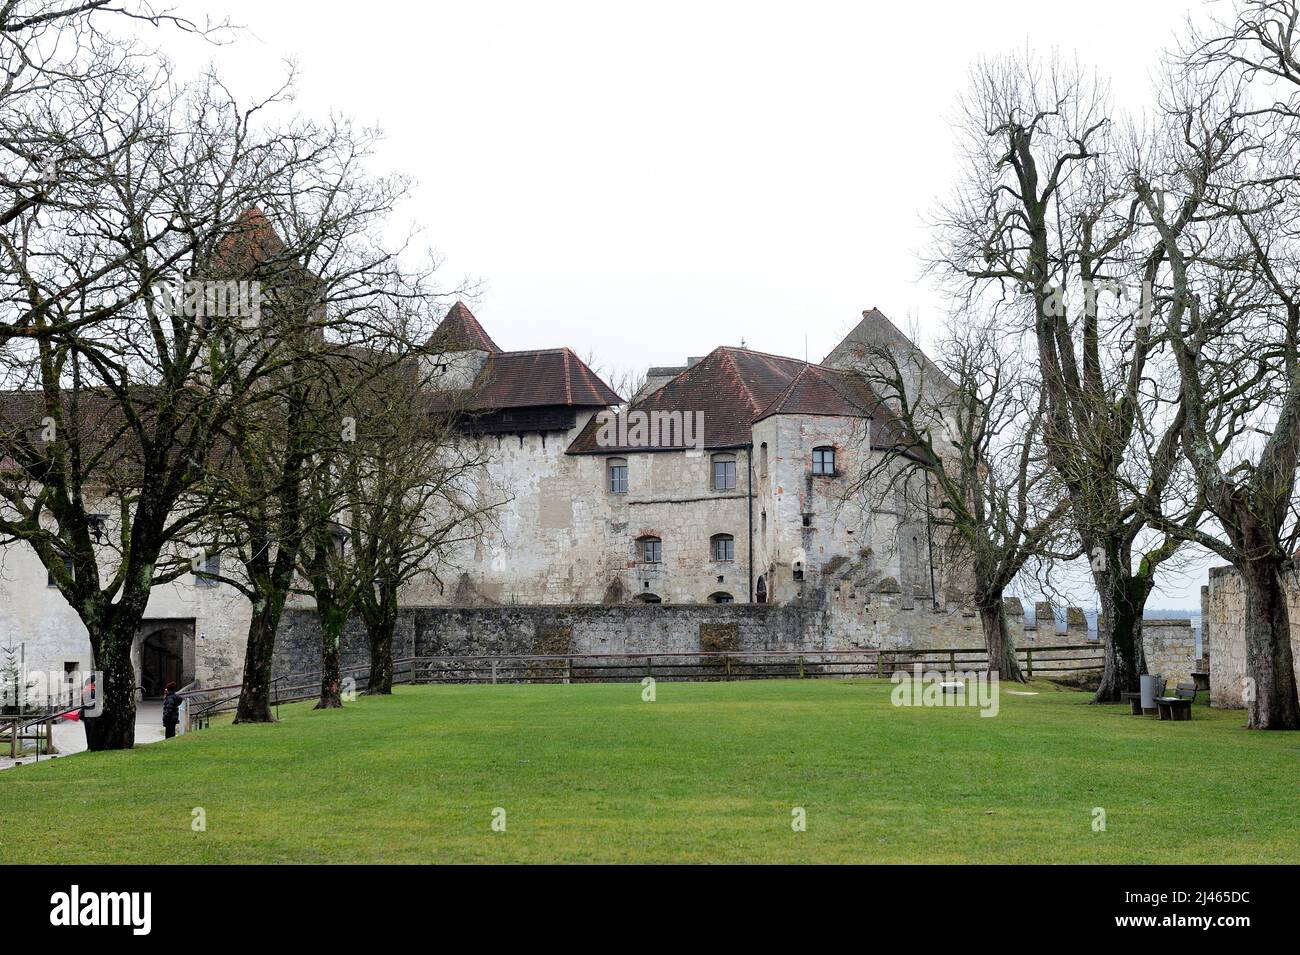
column 70, row 736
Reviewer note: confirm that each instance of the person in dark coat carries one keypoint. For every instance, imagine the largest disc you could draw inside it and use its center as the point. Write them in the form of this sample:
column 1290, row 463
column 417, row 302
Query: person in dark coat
column 171, row 710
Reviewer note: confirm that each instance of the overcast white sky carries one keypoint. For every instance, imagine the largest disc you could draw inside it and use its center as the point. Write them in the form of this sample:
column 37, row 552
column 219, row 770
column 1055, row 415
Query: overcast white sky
column 648, row 181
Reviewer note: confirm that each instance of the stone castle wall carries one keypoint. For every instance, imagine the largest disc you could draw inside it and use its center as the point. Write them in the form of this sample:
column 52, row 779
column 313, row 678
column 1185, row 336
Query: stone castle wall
column 1224, row 634
column 886, row 621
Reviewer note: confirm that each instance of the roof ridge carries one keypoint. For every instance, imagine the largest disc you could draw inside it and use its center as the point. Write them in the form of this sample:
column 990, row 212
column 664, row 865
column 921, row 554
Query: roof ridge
column 765, row 354
column 735, row 370
column 780, row 398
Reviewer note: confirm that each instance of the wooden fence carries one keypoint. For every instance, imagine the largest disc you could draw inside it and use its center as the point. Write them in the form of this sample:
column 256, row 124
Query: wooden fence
column 634, row 667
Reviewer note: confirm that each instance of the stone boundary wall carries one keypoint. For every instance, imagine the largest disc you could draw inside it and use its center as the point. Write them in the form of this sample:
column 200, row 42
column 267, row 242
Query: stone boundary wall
column 885, row 621
column 562, row 630
column 1223, row 634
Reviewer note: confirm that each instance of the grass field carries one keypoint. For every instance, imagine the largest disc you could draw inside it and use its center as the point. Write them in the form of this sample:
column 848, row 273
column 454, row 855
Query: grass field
column 710, row 772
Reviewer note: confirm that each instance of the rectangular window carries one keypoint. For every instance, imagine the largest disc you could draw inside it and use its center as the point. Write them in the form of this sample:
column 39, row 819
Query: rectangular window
column 724, row 548
column 618, row 478
column 824, row 461
column 211, row 565
column 49, row 574
column 652, row 552
column 724, row 475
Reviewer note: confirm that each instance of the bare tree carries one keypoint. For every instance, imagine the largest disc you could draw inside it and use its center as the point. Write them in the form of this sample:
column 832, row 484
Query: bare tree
column 118, row 394
column 412, row 491
column 1043, row 212
column 968, row 454
column 1222, row 190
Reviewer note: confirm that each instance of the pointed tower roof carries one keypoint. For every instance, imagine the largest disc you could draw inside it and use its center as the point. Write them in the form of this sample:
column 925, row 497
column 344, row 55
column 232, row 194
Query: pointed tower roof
column 460, row 331
column 251, row 241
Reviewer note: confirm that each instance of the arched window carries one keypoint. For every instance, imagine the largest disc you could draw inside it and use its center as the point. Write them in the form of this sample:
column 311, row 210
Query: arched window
column 649, row 598
column 649, row 550
column 721, row 597
column 616, row 475
column 724, row 472
column 722, row 547
column 760, row 589
column 824, row 461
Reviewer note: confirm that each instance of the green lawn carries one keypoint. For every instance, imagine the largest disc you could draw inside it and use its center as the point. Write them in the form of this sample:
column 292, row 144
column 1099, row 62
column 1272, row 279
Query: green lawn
column 709, row 773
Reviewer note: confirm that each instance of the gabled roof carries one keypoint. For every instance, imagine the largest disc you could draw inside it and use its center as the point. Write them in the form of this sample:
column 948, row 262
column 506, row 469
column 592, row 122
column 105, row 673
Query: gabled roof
column 729, row 386
column 819, row 390
column 877, row 331
column 823, row 391
column 460, row 331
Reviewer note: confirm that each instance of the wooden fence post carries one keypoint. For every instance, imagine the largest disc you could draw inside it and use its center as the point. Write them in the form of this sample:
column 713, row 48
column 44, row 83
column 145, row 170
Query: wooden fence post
column 801, row 674
column 1029, row 663
column 494, row 672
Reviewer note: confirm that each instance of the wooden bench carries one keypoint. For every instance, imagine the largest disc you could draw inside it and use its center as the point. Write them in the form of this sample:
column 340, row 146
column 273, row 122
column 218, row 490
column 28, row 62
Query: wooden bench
column 1178, row 706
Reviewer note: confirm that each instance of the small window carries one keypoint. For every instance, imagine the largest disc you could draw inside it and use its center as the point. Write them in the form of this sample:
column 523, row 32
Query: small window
column 68, row 568
column 723, row 546
column 211, row 565
column 824, row 461
column 650, row 550
column 760, row 590
column 617, row 475
column 721, row 597
column 762, row 459
column 724, row 472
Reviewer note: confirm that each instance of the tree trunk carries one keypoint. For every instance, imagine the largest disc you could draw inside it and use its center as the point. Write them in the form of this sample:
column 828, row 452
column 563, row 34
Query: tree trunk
column 381, row 656
column 1271, row 695
column 997, row 640
column 1123, row 601
column 255, row 694
column 114, row 727
column 331, row 659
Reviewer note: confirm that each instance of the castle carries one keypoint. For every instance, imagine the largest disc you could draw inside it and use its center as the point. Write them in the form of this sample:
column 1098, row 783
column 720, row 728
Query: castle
column 728, row 479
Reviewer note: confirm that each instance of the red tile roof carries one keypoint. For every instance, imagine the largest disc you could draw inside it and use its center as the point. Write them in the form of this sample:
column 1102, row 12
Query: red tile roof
column 530, row 379
column 729, row 386
column 734, row 388
column 551, row 376
column 460, row 331
column 252, row 241
column 819, row 390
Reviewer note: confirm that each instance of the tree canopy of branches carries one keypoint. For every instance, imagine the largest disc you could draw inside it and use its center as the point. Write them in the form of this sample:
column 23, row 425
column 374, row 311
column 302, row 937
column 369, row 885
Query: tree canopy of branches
column 974, row 442
column 1044, row 229
column 1220, row 186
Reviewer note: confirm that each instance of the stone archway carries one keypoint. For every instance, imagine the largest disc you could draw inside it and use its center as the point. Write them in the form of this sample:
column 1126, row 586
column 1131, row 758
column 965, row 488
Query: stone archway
column 165, row 654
